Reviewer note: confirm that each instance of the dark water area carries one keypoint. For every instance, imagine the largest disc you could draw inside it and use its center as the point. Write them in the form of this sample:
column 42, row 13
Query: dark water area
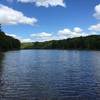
column 50, row 75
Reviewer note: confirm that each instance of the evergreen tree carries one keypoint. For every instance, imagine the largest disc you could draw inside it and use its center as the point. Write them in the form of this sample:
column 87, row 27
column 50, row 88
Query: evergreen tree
column 8, row 42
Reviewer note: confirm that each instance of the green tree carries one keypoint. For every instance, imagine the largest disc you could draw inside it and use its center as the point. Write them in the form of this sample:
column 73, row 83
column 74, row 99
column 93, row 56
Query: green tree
column 8, row 42
column 89, row 42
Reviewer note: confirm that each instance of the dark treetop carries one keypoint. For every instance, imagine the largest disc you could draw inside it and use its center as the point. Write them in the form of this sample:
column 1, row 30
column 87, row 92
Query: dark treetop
column 8, row 42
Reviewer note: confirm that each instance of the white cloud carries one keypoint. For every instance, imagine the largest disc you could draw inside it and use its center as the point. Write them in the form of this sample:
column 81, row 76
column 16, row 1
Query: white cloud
column 27, row 40
column 61, row 34
column 45, row 3
column 13, row 35
column 64, row 31
column 67, row 33
column 77, row 30
column 20, row 38
column 43, row 36
column 11, row 16
column 95, row 27
column 97, row 11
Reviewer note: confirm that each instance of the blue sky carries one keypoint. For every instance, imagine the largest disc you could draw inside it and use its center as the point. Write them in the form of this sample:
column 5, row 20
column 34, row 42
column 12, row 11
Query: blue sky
column 42, row 20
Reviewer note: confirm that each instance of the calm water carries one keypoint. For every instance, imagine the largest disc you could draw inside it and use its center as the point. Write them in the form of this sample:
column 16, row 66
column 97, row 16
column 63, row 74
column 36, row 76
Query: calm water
column 50, row 75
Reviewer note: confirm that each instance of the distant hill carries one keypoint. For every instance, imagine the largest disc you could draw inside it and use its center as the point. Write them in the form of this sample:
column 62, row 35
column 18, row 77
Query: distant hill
column 8, row 42
column 81, row 43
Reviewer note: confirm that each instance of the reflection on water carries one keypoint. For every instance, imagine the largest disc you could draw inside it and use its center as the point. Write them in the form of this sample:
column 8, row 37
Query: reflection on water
column 1, row 70
column 50, row 75
column 1, row 67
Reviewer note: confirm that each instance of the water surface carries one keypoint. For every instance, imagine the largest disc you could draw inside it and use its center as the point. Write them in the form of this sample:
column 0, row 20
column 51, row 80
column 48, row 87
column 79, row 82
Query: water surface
column 50, row 75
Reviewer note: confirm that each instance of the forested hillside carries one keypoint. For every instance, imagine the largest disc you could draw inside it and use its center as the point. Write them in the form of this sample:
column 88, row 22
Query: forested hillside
column 8, row 42
column 88, row 43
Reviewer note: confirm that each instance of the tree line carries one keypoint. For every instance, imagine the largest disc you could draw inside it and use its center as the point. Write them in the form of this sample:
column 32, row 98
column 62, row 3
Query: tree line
column 8, row 42
column 82, row 43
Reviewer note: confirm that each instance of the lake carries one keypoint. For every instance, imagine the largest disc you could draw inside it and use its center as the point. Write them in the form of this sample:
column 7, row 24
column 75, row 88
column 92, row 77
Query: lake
column 50, row 75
